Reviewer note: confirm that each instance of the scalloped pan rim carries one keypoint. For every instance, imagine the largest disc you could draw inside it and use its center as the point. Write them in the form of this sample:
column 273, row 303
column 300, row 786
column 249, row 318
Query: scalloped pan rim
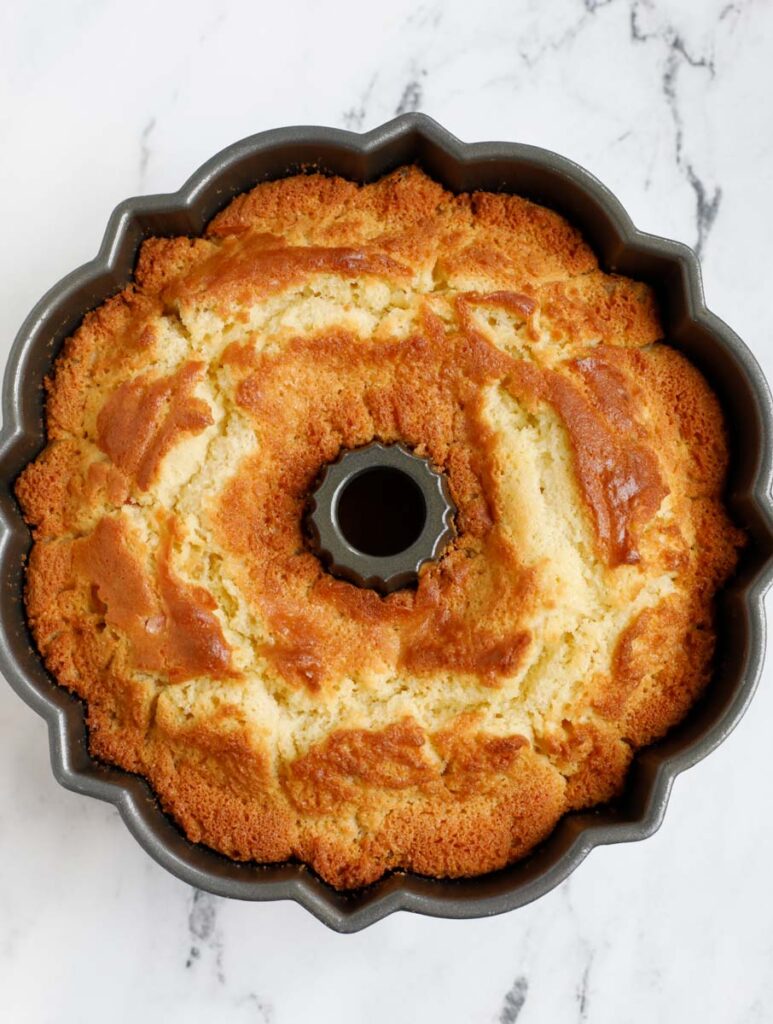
column 672, row 268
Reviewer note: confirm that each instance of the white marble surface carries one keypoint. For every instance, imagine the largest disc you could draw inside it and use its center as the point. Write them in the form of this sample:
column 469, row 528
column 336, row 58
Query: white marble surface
column 670, row 105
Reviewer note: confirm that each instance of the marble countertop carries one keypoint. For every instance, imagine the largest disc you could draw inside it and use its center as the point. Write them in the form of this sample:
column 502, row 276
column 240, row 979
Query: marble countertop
column 669, row 104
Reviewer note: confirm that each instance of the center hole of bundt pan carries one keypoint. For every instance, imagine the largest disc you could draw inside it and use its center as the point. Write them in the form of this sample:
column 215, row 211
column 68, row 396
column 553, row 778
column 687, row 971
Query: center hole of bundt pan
column 378, row 514
column 381, row 511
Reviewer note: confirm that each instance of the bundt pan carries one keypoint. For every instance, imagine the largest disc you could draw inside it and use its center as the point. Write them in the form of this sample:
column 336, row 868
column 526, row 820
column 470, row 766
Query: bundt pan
column 543, row 176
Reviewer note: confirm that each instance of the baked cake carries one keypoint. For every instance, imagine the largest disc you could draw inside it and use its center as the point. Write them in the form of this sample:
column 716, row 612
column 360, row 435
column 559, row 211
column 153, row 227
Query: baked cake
column 279, row 712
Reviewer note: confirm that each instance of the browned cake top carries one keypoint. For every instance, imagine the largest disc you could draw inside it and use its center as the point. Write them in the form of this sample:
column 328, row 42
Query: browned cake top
column 278, row 711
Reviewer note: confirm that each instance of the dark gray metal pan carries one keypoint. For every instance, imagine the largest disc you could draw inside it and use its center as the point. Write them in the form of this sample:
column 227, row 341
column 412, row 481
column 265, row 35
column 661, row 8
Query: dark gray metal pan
column 732, row 370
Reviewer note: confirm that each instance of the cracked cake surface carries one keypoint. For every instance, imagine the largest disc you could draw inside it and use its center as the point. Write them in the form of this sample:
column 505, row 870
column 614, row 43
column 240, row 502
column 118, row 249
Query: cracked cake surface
column 279, row 712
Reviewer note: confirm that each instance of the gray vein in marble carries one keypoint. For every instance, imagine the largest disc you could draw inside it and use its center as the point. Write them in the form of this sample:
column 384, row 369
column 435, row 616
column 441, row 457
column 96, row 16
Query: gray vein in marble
column 671, row 37
column 678, row 54
column 707, row 207
column 426, row 15
column 263, row 1010
column 706, row 204
column 735, row 9
column 145, row 148
column 568, row 36
column 514, row 1000
column 412, row 94
column 204, row 934
column 707, row 200
column 354, row 117
column 582, row 992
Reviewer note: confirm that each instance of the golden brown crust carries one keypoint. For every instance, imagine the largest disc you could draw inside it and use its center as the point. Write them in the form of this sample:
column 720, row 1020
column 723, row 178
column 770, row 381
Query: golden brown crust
column 247, row 268
column 279, row 712
column 144, row 418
